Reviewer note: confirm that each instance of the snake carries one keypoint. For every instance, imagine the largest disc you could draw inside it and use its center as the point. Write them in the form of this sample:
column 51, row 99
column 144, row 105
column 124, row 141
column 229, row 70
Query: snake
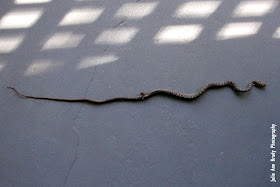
column 143, row 95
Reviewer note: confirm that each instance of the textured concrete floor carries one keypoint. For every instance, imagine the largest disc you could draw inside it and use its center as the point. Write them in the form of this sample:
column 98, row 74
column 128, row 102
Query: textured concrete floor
column 102, row 49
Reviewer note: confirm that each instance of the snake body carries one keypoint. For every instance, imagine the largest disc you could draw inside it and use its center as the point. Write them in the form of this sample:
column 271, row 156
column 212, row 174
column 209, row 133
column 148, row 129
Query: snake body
column 144, row 96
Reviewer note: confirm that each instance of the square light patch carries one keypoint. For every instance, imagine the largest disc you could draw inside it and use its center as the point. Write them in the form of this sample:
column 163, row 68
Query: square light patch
column 96, row 60
column 116, row 36
column 39, row 67
column 10, row 43
column 63, row 40
column 277, row 33
column 136, row 10
column 254, row 8
column 18, row 19
column 197, row 9
column 177, row 34
column 81, row 16
column 238, row 30
column 19, row 2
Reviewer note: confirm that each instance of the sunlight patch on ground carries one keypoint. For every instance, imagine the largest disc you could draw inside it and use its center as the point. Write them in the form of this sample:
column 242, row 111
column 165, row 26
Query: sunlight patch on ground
column 116, row 36
column 81, row 16
column 20, row 19
column 96, row 60
column 275, row 35
column 254, row 8
column 177, row 34
column 10, row 43
column 197, row 9
column 63, row 40
column 39, row 66
column 238, row 30
column 2, row 66
column 136, row 10
column 19, row 2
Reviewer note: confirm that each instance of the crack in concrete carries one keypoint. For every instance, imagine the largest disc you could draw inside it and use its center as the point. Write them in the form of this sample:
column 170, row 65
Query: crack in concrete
column 109, row 41
column 76, row 130
column 91, row 80
column 121, row 22
column 117, row 25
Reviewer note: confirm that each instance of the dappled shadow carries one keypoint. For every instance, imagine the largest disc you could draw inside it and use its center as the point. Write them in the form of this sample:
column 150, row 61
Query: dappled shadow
column 132, row 44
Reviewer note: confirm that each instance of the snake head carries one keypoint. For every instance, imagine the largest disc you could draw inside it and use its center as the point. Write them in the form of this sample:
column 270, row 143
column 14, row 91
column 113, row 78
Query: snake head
column 259, row 84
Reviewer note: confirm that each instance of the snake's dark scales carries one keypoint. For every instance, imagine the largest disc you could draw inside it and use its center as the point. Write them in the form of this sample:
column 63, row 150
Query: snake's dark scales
column 144, row 96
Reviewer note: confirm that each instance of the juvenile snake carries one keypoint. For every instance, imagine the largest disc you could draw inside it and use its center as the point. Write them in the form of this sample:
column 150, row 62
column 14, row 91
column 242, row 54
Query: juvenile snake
column 144, row 96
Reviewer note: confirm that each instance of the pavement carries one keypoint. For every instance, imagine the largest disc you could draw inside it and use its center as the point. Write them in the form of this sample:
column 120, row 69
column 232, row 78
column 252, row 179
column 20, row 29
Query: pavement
column 100, row 49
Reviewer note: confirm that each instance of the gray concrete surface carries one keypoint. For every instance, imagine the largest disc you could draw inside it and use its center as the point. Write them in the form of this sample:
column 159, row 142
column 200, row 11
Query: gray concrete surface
column 102, row 49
